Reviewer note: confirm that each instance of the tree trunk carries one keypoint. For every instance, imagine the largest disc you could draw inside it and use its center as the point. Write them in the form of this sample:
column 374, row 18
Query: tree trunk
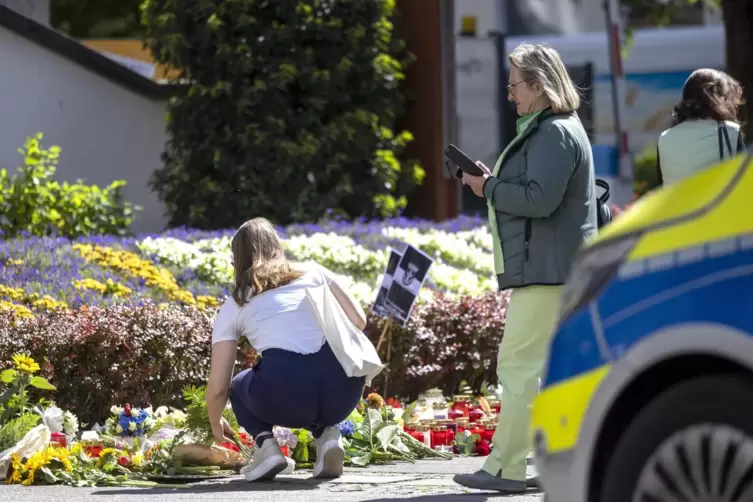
column 738, row 22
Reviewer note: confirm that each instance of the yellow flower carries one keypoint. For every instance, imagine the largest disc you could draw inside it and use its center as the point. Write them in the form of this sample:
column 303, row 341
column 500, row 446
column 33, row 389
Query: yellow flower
column 108, row 288
column 25, row 363
column 31, row 299
column 17, row 466
column 18, row 310
column 134, row 265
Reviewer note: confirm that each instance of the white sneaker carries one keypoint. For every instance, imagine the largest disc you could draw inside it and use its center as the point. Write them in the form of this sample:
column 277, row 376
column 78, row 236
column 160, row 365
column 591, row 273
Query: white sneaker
column 330, row 454
column 267, row 462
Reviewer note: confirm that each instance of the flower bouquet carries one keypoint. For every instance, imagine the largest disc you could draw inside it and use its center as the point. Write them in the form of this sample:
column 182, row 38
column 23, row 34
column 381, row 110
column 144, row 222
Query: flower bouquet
column 129, row 421
column 371, row 434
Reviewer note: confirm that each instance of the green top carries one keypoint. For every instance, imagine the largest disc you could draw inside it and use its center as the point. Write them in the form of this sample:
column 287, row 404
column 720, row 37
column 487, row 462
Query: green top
column 499, row 263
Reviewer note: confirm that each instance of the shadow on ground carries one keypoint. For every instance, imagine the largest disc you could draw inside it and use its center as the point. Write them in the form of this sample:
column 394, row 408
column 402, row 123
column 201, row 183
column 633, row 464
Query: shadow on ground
column 459, row 497
column 236, row 485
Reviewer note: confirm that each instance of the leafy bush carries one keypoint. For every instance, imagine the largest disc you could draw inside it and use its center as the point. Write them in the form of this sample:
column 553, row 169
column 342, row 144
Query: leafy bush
column 32, row 202
column 99, row 357
column 446, row 342
column 289, row 110
column 646, row 176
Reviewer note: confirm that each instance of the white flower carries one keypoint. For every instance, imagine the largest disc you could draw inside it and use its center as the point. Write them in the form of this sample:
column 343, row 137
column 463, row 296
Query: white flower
column 148, row 423
column 70, row 424
column 176, row 418
column 89, row 436
column 135, row 412
column 132, row 426
column 119, row 429
column 149, row 411
column 116, row 410
column 161, row 412
column 53, row 418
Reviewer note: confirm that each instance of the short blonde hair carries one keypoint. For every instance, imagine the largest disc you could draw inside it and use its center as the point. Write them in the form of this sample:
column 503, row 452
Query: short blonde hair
column 544, row 65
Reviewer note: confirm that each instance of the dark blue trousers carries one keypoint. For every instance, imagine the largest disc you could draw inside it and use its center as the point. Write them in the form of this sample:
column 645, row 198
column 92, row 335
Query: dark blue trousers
column 301, row 391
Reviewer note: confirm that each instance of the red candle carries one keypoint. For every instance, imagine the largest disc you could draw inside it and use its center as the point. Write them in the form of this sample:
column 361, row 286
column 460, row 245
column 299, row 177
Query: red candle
column 59, row 438
column 454, row 414
column 488, row 433
column 462, row 404
column 476, row 415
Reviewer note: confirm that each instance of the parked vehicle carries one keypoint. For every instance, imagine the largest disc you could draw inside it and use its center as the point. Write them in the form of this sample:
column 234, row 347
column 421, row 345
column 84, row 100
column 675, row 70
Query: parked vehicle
column 648, row 389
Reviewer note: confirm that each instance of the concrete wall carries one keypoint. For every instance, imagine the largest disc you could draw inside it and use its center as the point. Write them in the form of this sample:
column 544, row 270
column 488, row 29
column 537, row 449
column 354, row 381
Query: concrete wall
column 106, row 132
column 38, row 10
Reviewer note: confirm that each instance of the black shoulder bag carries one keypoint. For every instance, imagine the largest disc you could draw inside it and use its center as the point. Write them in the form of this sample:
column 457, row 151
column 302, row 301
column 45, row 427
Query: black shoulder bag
column 603, row 212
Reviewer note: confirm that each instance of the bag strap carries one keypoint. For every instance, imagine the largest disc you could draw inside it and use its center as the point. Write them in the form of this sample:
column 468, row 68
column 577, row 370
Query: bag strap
column 740, row 141
column 659, row 177
column 721, row 130
column 605, row 186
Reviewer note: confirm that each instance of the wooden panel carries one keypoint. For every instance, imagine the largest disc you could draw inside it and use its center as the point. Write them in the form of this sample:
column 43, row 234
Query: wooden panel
column 420, row 26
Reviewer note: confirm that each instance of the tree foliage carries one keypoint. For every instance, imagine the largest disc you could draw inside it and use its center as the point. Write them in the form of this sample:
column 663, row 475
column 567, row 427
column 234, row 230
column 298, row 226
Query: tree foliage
column 97, row 18
column 288, row 113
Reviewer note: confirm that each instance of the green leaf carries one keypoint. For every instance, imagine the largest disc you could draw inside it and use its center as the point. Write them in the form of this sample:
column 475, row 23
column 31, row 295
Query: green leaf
column 371, row 423
column 386, row 436
column 408, row 413
column 361, row 461
column 355, row 417
column 49, row 476
column 8, row 376
column 41, row 383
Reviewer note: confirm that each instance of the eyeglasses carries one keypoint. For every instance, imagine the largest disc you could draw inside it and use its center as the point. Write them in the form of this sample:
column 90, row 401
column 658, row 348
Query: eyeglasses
column 511, row 86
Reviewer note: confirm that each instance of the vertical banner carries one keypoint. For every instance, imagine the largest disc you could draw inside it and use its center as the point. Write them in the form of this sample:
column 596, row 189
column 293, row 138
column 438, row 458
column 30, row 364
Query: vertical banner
column 407, row 281
column 380, row 305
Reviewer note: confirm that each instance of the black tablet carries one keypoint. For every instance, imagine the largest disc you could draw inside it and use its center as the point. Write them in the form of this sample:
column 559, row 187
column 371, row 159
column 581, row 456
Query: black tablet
column 461, row 160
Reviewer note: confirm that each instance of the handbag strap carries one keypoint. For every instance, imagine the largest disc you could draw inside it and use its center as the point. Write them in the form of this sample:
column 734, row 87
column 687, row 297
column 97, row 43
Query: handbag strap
column 721, row 130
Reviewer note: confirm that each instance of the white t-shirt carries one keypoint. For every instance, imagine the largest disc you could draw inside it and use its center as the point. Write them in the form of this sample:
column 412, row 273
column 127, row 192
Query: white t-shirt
column 691, row 146
column 280, row 318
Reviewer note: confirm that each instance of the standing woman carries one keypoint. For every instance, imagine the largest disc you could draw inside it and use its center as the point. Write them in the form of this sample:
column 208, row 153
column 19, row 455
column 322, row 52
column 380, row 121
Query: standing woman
column 542, row 207
column 707, row 129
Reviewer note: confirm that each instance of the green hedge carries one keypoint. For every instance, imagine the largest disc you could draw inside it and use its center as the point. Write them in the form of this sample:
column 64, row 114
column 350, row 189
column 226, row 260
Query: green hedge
column 33, row 202
column 289, row 110
column 97, row 357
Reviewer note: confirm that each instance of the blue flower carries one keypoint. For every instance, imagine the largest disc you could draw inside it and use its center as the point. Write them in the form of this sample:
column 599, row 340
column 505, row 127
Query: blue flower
column 346, row 428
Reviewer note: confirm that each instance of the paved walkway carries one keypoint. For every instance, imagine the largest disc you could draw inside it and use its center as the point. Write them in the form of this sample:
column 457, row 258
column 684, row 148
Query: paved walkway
column 425, row 481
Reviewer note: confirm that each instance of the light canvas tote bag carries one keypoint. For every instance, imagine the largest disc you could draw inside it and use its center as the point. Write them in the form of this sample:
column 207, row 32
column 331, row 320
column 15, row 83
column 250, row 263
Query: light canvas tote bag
column 352, row 348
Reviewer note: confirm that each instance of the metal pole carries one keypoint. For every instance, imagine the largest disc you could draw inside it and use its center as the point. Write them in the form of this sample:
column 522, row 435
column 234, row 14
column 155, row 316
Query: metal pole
column 614, row 35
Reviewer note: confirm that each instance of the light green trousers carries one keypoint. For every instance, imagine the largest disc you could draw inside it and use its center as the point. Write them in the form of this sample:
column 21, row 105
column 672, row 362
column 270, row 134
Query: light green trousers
column 531, row 316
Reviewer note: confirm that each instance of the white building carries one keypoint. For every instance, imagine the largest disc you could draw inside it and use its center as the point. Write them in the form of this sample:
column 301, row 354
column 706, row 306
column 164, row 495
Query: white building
column 108, row 120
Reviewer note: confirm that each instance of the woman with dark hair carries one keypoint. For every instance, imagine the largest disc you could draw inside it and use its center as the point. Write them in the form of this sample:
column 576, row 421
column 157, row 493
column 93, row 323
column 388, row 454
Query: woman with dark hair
column 299, row 382
column 707, row 126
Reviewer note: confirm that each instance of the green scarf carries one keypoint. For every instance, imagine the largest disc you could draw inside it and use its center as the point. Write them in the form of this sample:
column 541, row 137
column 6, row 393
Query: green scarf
column 499, row 261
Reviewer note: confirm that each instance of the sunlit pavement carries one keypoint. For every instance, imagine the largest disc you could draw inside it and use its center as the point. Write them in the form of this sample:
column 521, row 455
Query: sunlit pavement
column 425, row 481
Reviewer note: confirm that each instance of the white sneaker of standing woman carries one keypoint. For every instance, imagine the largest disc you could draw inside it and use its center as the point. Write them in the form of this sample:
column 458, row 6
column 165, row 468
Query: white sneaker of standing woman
column 267, row 462
column 330, row 454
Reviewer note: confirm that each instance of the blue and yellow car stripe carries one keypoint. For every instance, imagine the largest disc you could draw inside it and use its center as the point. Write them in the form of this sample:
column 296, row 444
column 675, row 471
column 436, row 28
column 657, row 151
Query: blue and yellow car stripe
column 570, row 399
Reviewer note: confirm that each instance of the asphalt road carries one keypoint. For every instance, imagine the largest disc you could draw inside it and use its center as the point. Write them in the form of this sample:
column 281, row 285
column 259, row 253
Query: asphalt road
column 425, row 481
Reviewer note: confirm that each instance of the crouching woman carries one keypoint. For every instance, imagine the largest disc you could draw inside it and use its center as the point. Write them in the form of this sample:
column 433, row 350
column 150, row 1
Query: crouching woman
column 298, row 383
